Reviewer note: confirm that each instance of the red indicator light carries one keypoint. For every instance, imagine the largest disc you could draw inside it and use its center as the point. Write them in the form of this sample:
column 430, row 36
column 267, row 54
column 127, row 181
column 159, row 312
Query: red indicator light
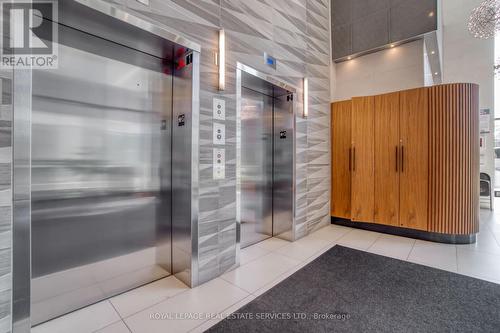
column 181, row 64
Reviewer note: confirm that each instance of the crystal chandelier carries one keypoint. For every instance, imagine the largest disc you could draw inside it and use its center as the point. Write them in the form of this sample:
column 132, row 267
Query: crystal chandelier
column 484, row 21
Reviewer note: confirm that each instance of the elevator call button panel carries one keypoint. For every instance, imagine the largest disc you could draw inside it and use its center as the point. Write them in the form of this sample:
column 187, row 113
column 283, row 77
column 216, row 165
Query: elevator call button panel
column 219, row 164
column 219, row 106
column 219, row 137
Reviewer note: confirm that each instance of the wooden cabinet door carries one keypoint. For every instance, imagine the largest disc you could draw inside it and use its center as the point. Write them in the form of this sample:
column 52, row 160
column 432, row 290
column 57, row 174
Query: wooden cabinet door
column 341, row 163
column 414, row 128
column 362, row 180
column 386, row 159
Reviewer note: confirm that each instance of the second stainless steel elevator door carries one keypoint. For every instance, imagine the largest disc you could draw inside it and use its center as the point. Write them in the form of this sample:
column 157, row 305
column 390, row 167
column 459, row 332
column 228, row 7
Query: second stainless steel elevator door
column 283, row 159
column 101, row 174
column 256, row 167
column 266, row 163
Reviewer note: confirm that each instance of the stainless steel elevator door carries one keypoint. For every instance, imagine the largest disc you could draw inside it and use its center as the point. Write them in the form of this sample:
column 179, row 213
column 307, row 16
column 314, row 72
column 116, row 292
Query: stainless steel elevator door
column 283, row 165
column 266, row 175
column 101, row 174
column 256, row 167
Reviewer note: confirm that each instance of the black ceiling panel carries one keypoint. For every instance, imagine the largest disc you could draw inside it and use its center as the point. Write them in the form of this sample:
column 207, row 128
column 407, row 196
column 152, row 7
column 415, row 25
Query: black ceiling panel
column 363, row 25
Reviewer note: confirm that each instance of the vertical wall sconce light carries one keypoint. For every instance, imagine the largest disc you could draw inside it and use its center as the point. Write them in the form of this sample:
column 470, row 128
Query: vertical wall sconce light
column 306, row 98
column 222, row 59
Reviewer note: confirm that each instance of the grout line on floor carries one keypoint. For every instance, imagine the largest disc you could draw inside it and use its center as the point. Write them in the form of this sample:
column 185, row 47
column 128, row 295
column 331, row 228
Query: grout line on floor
column 376, row 239
column 225, row 309
column 369, row 247
column 156, row 303
column 99, row 329
column 271, row 284
column 126, row 325
column 412, row 247
column 248, row 292
column 114, row 308
column 497, row 239
column 252, row 260
column 259, row 245
column 347, row 233
column 297, row 259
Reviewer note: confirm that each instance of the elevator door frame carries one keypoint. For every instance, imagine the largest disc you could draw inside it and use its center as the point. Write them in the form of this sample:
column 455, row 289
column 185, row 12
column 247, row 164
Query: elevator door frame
column 242, row 69
column 21, row 156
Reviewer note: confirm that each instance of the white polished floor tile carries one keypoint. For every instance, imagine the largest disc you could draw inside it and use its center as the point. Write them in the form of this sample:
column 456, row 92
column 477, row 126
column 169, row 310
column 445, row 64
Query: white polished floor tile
column 493, row 225
column 272, row 244
column 359, row 239
column 437, row 255
column 140, row 298
column 118, row 327
column 497, row 237
column 318, row 254
column 392, row 246
column 187, row 310
column 331, row 233
column 224, row 314
column 259, row 272
column 485, row 242
column 303, row 248
column 251, row 253
column 278, row 279
column 86, row 320
column 477, row 264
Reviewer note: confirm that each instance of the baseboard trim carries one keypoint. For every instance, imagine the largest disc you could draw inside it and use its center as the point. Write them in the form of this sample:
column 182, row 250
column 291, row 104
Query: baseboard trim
column 418, row 234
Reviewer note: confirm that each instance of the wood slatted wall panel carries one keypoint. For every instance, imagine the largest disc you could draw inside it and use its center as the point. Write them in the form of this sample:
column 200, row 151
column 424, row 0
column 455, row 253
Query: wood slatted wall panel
column 341, row 169
column 363, row 159
column 454, row 159
column 387, row 165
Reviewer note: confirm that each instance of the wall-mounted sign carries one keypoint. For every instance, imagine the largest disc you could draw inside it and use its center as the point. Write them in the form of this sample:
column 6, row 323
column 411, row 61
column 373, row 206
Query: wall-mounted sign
column 269, row 60
column 484, row 120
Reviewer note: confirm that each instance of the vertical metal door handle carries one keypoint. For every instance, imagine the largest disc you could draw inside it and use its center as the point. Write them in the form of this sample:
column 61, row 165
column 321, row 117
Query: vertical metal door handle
column 397, row 158
column 350, row 157
column 402, row 158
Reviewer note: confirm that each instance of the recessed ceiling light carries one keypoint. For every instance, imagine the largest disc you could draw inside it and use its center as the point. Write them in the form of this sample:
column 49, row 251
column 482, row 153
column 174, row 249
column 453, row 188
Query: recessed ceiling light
column 433, row 52
column 436, row 73
column 392, row 45
column 349, row 58
column 431, row 14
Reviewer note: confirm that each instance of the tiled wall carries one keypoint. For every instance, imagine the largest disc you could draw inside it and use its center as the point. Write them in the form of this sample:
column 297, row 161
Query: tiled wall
column 297, row 33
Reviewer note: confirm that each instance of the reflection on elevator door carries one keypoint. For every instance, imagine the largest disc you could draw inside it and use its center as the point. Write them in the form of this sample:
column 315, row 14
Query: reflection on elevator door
column 266, row 161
